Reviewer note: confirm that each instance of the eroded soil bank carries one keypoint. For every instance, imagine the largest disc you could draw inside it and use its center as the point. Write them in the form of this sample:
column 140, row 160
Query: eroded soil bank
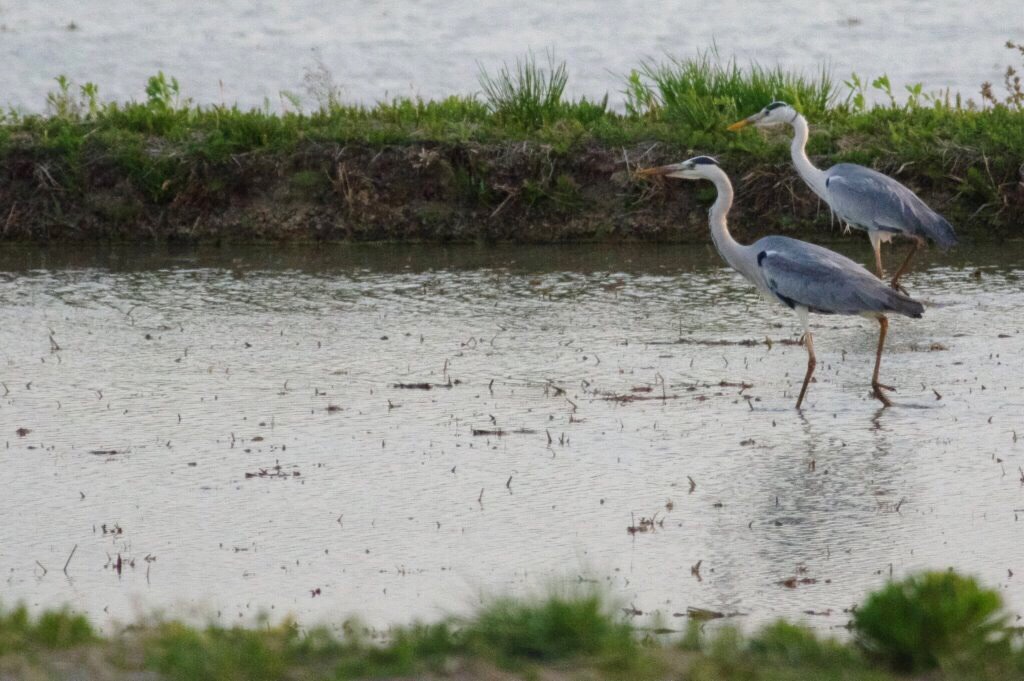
column 526, row 192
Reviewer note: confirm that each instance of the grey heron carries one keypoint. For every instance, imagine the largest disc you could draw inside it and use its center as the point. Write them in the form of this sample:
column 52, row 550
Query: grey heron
column 863, row 198
column 802, row 276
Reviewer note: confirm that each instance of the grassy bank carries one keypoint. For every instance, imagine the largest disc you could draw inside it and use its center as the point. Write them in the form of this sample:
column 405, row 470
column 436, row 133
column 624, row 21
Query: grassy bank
column 518, row 162
column 932, row 626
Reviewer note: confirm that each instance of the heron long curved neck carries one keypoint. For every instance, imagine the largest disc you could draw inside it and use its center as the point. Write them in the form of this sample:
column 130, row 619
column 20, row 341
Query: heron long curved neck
column 814, row 177
column 729, row 248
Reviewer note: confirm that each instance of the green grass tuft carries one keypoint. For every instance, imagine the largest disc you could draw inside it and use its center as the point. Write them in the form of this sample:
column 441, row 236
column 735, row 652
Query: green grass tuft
column 786, row 644
column 932, row 619
column 410, row 651
column 54, row 629
column 526, row 95
column 557, row 628
column 218, row 654
column 780, row 652
column 706, row 92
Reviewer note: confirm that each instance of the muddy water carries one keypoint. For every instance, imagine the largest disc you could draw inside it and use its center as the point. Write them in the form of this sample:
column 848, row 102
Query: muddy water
column 229, row 425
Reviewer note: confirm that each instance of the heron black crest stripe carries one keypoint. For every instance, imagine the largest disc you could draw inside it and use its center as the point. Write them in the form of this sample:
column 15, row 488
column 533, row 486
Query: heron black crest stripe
column 704, row 161
column 774, row 105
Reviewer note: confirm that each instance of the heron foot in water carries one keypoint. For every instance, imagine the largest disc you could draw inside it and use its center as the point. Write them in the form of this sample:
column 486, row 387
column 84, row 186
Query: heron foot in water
column 876, row 392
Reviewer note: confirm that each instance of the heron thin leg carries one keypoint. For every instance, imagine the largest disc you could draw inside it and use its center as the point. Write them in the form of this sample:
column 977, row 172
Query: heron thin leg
column 905, row 266
column 876, row 387
column 811, row 363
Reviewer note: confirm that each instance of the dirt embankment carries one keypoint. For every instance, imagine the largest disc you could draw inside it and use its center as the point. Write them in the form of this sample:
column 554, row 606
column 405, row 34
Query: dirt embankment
column 519, row 192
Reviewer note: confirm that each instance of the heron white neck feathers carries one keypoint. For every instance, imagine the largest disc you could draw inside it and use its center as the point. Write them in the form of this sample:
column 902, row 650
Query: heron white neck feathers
column 814, row 177
column 731, row 250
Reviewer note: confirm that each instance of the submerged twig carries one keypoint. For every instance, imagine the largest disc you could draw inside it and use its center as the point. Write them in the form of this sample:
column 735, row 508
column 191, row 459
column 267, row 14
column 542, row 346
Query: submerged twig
column 70, row 556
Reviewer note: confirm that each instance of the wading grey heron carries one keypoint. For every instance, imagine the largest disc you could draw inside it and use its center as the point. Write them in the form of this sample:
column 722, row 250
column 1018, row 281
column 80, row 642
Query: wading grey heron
column 863, row 198
column 804, row 277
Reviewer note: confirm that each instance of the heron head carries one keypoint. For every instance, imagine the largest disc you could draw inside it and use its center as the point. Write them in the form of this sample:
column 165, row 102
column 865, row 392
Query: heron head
column 696, row 168
column 775, row 113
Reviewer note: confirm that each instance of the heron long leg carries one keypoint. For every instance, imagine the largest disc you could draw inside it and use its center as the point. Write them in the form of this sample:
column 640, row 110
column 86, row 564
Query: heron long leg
column 905, row 266
column 876, row 387
column 811, row 363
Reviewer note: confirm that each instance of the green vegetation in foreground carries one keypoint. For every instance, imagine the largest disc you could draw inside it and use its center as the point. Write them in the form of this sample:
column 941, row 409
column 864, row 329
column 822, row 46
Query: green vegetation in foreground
column 942, row 625
column 931, row 619
column 168, row 160
column 55, row 629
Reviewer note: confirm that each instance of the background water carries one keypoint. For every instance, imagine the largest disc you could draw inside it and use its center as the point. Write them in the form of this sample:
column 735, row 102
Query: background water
column 161, row 389
column 248, row 51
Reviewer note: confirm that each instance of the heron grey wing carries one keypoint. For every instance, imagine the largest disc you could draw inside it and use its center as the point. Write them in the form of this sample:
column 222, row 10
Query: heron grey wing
column 873, row 201
column 805, row 275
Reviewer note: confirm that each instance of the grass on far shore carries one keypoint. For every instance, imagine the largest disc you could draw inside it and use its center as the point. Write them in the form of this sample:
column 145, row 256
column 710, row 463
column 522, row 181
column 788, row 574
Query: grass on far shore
column 937, row 624
column 684, row 101
column 166, row 151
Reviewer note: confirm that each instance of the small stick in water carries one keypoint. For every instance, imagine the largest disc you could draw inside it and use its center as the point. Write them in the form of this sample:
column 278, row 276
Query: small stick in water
column 70, row 556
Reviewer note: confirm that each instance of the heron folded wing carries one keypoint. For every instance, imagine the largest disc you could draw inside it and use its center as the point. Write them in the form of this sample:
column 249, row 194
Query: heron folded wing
column 801, row 274
column 873, row 201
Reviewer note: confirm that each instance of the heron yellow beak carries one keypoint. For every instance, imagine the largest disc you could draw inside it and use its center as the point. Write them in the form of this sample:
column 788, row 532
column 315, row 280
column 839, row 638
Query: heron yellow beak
column 656, row 171
column 739, row 124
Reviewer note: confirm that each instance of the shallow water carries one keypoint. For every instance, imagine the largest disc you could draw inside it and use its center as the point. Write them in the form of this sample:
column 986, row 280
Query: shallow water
column 170, row 376
column 249, row 51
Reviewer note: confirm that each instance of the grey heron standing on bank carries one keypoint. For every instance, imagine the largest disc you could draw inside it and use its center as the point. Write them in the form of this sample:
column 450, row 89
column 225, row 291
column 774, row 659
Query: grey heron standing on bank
column 863, row 198
column 802, row 276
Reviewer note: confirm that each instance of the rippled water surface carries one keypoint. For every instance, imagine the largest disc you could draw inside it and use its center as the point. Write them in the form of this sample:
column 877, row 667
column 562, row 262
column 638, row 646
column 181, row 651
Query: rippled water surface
column 231, row 426
column 250, row 51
